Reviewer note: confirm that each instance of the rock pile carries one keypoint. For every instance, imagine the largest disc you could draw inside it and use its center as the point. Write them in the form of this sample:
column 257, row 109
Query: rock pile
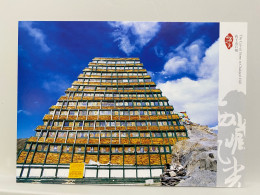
column 194, row 160
column 173, row 174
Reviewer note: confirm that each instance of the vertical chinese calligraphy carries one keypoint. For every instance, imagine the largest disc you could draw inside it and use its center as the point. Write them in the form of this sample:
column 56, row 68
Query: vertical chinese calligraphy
column 232, row 146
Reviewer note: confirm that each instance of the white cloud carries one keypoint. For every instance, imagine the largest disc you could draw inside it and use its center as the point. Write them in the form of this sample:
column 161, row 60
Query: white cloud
column 158, row 51
column 194, row 51
column 125, row 45
column 56, row 84
column 184, row 59
column 37, row 34
column 174, row 65
column 23, row 112
column 209, row 66
column 142, row 33
column 198, row 97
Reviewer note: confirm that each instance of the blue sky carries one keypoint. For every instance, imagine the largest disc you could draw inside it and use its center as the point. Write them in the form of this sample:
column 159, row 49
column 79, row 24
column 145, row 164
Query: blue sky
column 182, row 59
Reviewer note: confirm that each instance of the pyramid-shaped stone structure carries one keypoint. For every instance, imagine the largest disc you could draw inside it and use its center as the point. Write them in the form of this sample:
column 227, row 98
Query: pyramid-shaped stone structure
column 113, row 119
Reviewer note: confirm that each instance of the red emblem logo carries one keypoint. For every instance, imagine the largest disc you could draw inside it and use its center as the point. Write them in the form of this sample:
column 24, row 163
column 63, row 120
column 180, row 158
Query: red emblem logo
column 229, row 40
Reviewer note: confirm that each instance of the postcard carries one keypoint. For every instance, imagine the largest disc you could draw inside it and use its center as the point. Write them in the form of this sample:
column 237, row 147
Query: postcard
column 131, row 103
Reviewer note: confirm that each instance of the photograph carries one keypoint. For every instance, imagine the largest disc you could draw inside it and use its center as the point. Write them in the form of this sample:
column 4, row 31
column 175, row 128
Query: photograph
column 118, row 102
